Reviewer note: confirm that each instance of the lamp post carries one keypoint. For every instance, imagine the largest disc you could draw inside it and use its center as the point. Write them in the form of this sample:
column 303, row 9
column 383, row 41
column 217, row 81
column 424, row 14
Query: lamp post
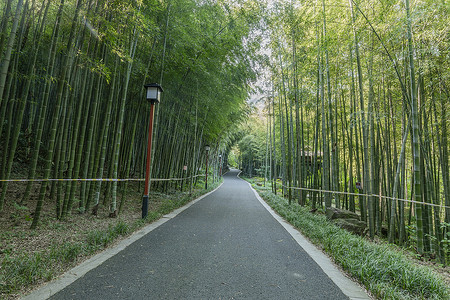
column 220, row 165
column 154, row 91
column 207, row 148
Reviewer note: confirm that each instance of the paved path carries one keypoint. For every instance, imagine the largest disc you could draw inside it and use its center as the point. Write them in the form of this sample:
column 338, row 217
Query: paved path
column 225, row 246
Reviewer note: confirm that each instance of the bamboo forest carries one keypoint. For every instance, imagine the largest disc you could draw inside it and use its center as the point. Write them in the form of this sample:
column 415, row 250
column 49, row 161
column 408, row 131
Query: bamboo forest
column 338, row 104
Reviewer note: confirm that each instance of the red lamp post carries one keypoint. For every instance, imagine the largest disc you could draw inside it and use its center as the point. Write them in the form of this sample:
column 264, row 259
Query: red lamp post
column 220, row 165
column 207, row 148
column 154, row 91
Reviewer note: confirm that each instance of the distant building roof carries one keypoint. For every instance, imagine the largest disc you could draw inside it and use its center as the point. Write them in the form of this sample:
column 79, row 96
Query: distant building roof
column 310, row 153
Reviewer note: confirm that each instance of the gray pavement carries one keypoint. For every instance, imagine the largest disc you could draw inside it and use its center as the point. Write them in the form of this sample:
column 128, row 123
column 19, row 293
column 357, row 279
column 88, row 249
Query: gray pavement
column 225, row 246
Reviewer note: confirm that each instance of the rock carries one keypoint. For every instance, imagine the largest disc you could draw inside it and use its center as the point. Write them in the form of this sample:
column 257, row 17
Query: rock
column 384, row 230
column 352, row 225
column 333, row 213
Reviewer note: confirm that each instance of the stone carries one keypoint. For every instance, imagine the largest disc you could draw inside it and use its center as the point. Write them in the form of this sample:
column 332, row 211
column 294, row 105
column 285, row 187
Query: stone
column 333, row 213
column 352, row 225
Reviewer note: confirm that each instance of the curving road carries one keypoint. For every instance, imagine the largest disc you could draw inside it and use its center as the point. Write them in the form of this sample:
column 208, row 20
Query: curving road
column 225, row 246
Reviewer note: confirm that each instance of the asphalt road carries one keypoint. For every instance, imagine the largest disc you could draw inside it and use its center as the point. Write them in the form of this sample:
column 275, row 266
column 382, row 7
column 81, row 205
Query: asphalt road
column 225, row 246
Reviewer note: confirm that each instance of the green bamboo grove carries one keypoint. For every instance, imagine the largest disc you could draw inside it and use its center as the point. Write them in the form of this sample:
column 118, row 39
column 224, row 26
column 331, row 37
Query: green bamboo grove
column 358, row 103
column 354, row 116
column 72, row 101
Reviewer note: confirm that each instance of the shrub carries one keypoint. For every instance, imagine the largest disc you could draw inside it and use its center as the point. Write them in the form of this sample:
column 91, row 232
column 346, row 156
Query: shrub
column 384, row 271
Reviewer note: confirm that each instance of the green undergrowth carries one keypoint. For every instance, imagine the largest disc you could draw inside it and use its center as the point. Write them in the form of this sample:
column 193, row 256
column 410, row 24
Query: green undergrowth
column 25, row 269
column 384, row 271
column 21, row 271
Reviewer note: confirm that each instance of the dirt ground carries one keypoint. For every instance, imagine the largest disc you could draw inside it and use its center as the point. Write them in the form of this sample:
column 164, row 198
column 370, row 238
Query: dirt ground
column 16, row 237
column 15, row 222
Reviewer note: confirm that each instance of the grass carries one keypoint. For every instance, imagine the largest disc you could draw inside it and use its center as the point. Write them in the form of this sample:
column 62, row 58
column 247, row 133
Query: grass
column 386, row 272
column 21, row 270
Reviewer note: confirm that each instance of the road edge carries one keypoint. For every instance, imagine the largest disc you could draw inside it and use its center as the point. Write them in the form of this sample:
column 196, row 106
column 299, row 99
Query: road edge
column 346, row 285
column 79, row 271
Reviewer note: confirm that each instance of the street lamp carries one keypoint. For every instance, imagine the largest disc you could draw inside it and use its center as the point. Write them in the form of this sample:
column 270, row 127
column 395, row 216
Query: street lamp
column 207, row 148
column 220, row 165
column 154, row 91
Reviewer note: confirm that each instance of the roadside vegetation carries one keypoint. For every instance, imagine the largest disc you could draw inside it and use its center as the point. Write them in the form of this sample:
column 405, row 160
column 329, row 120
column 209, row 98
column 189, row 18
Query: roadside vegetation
column 385, row 270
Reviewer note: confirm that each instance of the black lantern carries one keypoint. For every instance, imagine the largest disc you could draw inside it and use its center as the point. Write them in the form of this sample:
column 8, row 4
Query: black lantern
column 154, row 91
